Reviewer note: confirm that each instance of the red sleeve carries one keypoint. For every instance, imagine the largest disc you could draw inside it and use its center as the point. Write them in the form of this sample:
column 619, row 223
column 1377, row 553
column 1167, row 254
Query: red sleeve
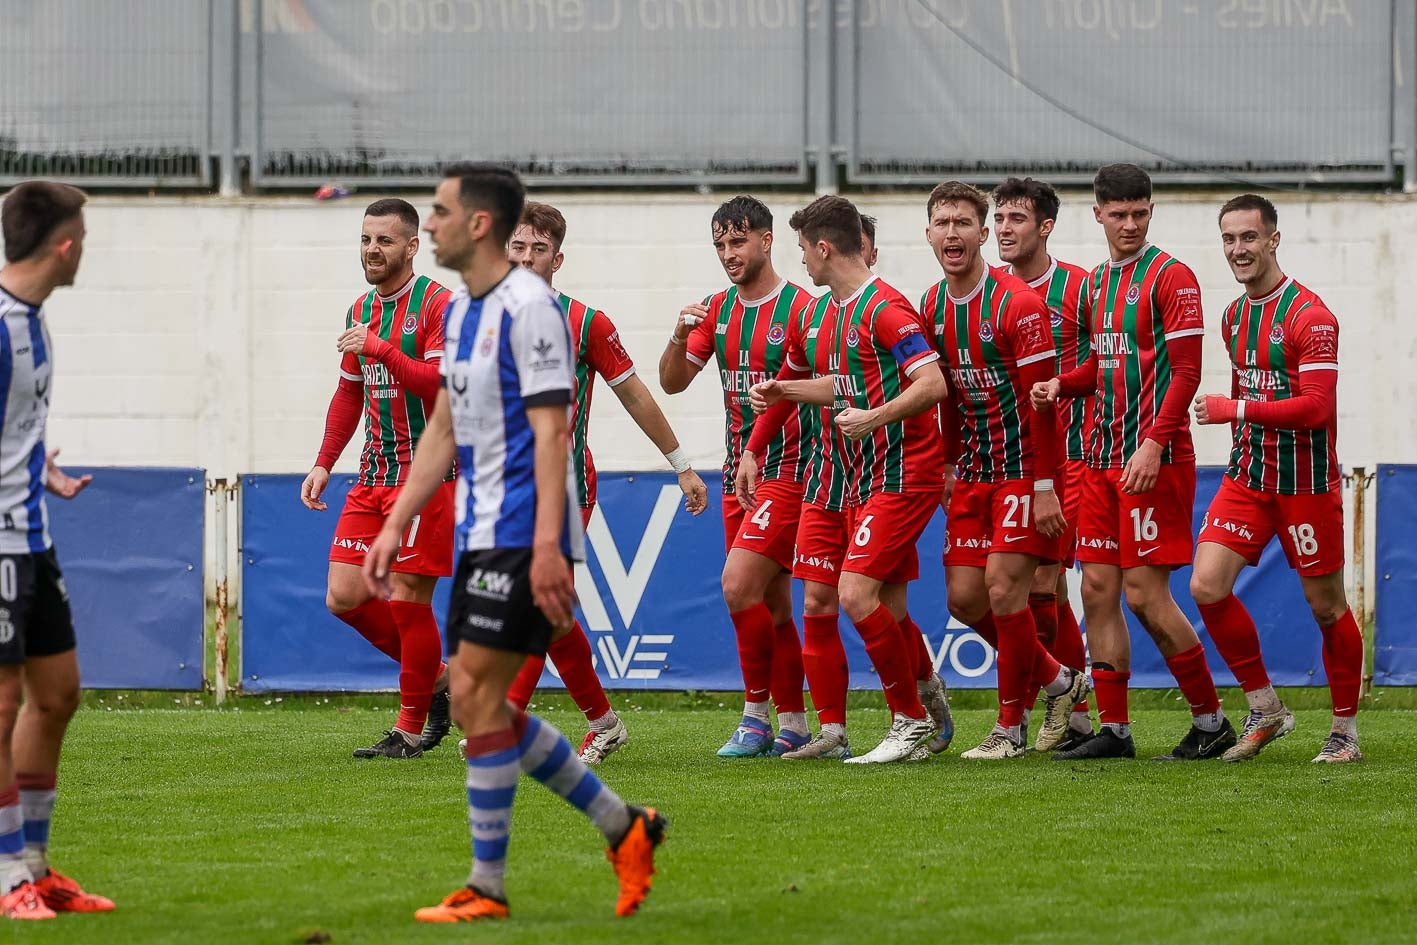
column 1315, row 335
column 604, row 351
column 342, row 419
column 773, row 419
column 1043, row 424
column 897, row 328
column 1081, row 381
column 1178, row 297
column 420, row 378
column 699, row 347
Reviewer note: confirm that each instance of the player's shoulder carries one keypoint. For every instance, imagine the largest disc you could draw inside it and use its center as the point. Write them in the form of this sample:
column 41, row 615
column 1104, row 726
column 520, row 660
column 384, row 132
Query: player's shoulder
column 1169, row 268
column 886, row 295
column 523, row 292
column 798, row 298
column 1310, row 307
column 1075, row 273
column 1022, row 298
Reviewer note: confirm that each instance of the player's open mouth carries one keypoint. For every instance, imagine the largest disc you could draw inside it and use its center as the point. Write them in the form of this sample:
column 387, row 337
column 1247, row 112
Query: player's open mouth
column 953, row 252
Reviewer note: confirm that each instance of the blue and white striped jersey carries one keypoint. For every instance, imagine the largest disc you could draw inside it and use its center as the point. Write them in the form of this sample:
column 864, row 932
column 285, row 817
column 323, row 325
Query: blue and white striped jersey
column 506, row 351
column 25, row 369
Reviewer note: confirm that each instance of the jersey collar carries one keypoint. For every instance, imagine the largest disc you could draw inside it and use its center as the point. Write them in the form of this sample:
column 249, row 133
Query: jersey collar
column 413, row 277
column 1283, row 284
column 754, row 303
column 857, row 294
column 1123, row 263
column 1047, row 273
column 970, row 295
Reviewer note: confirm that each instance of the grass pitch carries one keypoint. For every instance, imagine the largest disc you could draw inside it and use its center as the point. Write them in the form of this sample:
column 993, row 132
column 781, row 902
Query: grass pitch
column 254, row 825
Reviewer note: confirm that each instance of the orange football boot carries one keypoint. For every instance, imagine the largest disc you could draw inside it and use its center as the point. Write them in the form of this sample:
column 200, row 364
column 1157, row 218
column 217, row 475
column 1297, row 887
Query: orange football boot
column 62, row 894
column 463, row 905
column 633, row 857
column 24, row 902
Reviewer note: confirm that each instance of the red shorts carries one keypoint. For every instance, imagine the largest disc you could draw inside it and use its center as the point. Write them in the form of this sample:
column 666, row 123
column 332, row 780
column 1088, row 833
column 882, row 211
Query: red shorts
column 427, row 545
column 994, row 517
column 821, row 544
column 586, row 513
column 884, row 532
column 1069, row 488
column 1310, row 527
column 1131, row 531
column 771, row 530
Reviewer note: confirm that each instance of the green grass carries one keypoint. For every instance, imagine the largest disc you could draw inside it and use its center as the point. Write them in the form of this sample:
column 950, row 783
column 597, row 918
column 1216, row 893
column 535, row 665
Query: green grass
column 253, row 824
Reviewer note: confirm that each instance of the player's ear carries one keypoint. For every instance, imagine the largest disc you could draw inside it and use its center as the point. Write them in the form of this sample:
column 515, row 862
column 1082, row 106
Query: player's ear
column 1274, row 241
column 1045, row 229
column 556, row 262
column 983, row 235
column 1097, row 213
column 412, row 249
column 767, row 241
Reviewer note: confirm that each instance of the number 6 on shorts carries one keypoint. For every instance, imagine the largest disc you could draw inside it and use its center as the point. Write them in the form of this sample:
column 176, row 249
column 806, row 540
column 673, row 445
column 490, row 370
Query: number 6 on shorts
column 863, row 532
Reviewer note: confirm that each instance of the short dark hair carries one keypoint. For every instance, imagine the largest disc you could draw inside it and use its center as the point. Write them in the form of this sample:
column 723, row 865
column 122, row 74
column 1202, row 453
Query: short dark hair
column 394, row 207
column 831, row 218
column 491, row 187
column 32, row 211
column 1121, row 182
column 868, row 227
column 742, row 213
column 953, row 191
column 1268, row 214
column 544, row 218
column 1038, row 194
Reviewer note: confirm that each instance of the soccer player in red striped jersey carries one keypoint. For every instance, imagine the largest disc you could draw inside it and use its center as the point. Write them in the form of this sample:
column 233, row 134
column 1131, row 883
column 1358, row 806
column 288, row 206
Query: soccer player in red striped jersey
column 1025, row 212
column 390, row 348
column 822, row 536
column 744, row 329
column 884, row 388
column 1135, row 522
column 1004, row 515
column 1283, row 479
column 536, row 244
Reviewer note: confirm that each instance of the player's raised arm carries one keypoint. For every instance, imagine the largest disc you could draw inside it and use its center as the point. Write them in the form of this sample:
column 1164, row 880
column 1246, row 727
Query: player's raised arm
column 688, row 350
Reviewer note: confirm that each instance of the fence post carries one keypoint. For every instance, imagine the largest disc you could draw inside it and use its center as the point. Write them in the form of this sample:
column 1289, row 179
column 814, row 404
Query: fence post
column 220, row 491
column 1360, row 479
column 229, row 97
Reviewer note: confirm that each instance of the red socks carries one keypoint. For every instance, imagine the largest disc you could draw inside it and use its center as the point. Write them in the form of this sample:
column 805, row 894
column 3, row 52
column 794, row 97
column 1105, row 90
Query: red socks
column 571, row 654
column 1233, row 631
column 755, row 631
column 787, row 671
column 1343, row 663
column 894, row 666
column 824, row 660
column 1045, row 617
column 1068, row 647
column 1018, row 647
column 984, row 626
column 420, row 660
column 1110, row 688
column 375, row 623
column 1194, row 680
column 916, row 649
column 524, row 685
column 576, row 667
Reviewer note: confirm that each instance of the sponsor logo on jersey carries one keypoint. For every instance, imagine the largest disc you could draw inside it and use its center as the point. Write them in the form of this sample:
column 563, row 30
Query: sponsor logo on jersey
column 1133, row 294
column 1276, row 335
column 410, row 323
column 776, row 335
column 986, row 332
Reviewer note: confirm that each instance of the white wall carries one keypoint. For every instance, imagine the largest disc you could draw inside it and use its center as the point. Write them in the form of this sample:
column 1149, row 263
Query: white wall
column 202, row 330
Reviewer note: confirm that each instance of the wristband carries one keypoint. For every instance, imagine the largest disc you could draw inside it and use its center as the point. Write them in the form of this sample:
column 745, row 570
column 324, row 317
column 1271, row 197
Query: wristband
column 678, row 461
column 1042, row 485
column 1240, row 410
column 674, row 340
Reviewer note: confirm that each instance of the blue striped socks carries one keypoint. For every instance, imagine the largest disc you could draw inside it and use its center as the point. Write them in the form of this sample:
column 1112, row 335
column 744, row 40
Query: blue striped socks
column 548, row 757
column 492, row 773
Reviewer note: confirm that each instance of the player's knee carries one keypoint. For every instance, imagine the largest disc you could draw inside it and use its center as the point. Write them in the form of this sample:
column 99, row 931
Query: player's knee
column 338, row 602
column 1326, row 607
column 739, row 591
column 859, row 602
column 968, row 609
column 819, row 600
column 1207, row 588
column 55, row 706
column 1005, row 597
column 1097, row 592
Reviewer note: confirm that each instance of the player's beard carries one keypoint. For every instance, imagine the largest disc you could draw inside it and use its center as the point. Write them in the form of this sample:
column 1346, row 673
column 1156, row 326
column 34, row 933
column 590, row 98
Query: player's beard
column 376, row 276
column 752, row 268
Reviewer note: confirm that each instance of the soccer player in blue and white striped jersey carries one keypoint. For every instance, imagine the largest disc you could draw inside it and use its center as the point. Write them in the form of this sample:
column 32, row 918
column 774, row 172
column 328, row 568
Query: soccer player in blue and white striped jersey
column 43, row 225
column 504, row 412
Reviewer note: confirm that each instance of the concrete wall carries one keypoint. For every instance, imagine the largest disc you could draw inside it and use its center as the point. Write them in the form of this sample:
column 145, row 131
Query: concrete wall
column 202, row 330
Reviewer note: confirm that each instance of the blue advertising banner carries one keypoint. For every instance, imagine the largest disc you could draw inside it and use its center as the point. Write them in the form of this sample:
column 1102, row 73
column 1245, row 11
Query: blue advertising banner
column 1395, row 643
column 130, row 546
column 650, row 600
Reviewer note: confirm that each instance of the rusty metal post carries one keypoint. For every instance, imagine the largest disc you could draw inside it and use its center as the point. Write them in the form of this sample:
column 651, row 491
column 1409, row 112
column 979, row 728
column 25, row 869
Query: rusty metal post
column 1360, row 480
column 222, row 579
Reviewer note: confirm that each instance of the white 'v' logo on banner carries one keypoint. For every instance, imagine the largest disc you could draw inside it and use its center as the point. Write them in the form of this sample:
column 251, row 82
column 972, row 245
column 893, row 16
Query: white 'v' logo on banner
column 627, row 585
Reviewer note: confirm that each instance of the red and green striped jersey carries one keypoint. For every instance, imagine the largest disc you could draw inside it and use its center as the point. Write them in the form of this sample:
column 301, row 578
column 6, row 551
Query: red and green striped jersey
column 881, row 340
column 1138, row 305
column 812, row 346
column 986, row 336
column 1271, row 342
column 749, row 339
column 598, row 350
column 1063, row 289
column 412, row 321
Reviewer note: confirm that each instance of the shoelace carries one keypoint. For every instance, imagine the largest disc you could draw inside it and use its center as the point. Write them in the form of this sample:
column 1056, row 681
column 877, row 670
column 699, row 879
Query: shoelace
column 1252, row 722
column 1335, row 743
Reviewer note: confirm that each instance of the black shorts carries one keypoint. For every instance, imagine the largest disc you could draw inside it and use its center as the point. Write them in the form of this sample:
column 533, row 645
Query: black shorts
column 491, row 604
column 34, row 608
